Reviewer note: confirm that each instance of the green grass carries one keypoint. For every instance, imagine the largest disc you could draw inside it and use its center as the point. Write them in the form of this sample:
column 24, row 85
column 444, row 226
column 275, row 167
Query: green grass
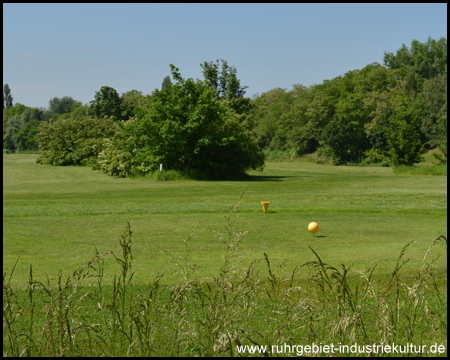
column 440, row 170
column 428, row 166
column 53, row 217
column 429, row 159
column 212, row 318
column 241, row 277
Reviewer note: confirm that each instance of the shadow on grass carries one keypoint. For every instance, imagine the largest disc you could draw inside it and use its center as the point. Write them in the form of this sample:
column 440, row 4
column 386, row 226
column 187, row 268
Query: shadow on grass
column 265, row 177
column 251, row 178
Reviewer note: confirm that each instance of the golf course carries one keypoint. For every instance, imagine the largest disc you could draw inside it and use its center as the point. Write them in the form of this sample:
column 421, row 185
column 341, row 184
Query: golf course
column 55, row 217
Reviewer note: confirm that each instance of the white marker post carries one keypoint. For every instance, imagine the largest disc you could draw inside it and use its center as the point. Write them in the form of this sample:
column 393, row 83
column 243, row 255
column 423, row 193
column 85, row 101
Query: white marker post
column 160, row 167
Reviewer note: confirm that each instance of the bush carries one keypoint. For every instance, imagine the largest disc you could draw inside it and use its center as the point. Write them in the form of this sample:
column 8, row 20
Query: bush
column 73, row 141
column 375, row 157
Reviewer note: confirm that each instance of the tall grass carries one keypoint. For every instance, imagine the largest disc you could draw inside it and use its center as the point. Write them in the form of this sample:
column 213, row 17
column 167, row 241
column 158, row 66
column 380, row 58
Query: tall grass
column 201, row 316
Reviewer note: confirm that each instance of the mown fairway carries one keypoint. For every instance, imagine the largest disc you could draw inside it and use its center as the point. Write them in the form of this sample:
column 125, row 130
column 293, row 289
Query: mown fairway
column 54, row 217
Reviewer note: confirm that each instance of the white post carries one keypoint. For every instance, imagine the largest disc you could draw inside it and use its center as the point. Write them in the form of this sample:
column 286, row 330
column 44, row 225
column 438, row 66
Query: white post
column 160, row 167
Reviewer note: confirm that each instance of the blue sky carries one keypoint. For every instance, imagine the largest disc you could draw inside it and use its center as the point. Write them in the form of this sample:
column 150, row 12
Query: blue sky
column 74, row 49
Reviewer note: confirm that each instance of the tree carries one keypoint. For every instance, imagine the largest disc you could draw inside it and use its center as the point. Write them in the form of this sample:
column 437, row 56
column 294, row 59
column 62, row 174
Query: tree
column 442, row 124
column 429, row 59
column 26, row 136
column 187, row 129
column 13, row 126
column 7, row 97
column 345, row 139
column 403, row 133
column 40, row 113
column 166, row 83
column 226, row 85
column 345, row 132
column 106, row 103
column 61, row 105
column 15, row 119
column 435, row 102
column 376, row 131
column 267, row 111
column 133, row 100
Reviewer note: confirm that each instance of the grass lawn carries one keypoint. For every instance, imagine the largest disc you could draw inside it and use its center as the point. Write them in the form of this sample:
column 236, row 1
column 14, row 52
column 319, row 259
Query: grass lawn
column 54, row 217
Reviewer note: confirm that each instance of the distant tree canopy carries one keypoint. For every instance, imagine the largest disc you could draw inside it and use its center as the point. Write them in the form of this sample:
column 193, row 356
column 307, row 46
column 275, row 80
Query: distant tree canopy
column 7, row 97
column 166, row 83
column 133, row 100
column 20, row 125
column 428, row 59
column 61, row 105
column 381, row 114
column 225, row 84
column 387, row 115
column 106, row 103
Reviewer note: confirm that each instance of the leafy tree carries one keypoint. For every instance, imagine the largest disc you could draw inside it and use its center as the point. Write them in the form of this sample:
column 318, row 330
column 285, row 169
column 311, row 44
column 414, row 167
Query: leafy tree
column 7, row 97
column 13, row 126
column 435, row 103
column 402, row 58
column 295, row 121
column 166, row 83
column 135, row 98
column 345, row 139
column 226, row 84
column 40, row 113
column 187, row 129
column 376, row 135
column 442, row 125
column 106, row 103
column 61, row 105
column 73, row 141
column 14, row 119
column 429, row 59
column 403, row 133
column 435, row 92
column 267, row 111
column 132, row 100
column 413, row 83
column 320, row 109
column 16, row 109
column 374, row 78
column 345, row 132
column 26, row 136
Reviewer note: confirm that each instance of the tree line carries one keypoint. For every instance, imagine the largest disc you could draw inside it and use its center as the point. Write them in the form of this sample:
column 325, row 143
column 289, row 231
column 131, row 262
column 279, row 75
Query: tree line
column 387, row 115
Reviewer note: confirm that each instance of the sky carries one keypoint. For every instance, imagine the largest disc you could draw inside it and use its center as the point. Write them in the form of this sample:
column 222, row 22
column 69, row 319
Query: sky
column 57, row 50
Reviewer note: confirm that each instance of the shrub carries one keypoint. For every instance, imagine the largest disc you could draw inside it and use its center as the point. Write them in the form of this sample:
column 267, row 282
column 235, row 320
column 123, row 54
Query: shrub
column 73, row 141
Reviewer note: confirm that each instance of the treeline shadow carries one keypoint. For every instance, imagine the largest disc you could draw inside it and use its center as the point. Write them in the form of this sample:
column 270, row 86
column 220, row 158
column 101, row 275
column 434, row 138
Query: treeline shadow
column 251, row 178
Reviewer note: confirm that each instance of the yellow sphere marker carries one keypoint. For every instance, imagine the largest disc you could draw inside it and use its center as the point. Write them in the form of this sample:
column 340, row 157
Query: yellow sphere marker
column 313, row 227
